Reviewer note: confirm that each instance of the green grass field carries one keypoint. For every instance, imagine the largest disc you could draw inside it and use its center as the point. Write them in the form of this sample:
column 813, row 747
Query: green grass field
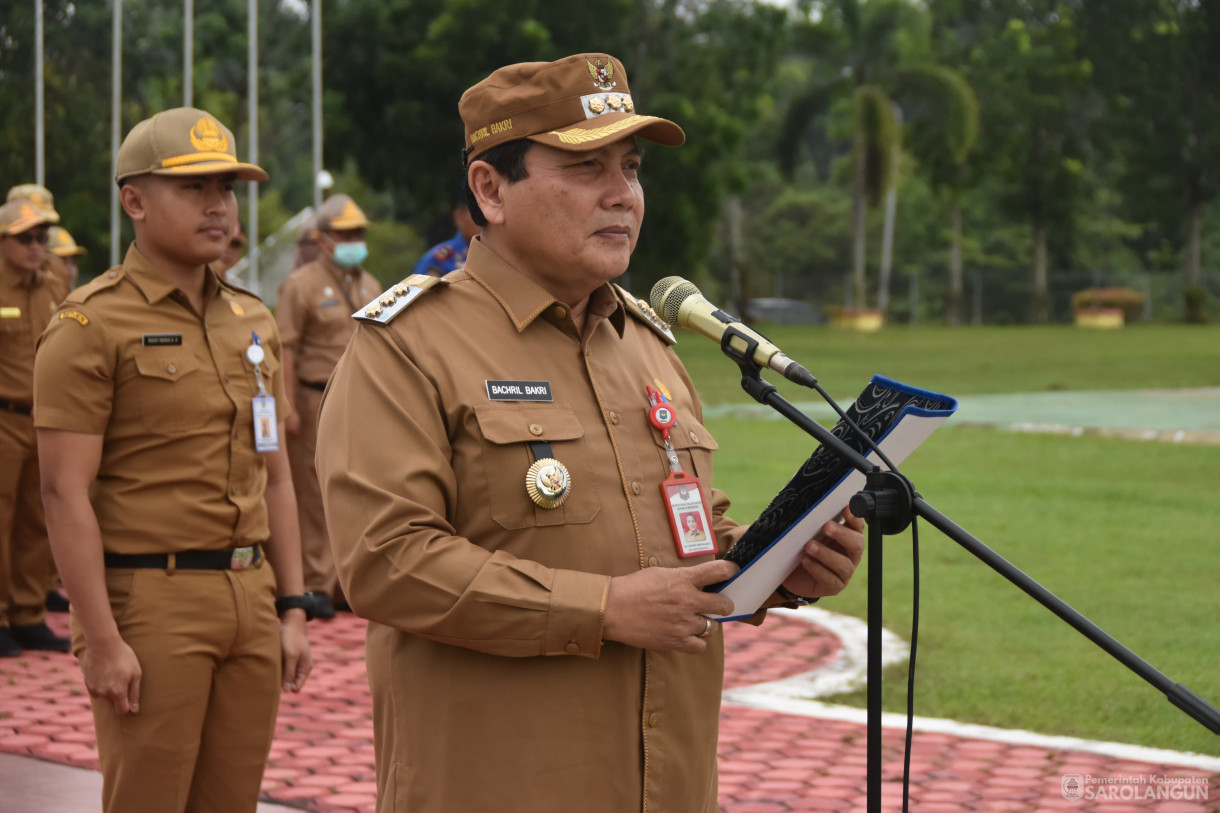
column 1123, row 531
column 973, row 360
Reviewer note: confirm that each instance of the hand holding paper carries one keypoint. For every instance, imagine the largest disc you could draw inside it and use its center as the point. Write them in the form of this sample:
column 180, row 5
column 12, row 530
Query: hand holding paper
column 829, row 559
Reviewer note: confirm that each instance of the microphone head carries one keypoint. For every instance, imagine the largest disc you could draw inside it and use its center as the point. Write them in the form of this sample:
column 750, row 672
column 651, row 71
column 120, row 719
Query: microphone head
column 669, row 294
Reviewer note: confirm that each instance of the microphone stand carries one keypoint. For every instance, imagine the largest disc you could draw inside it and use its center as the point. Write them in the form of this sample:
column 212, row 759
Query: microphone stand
column 888, row 503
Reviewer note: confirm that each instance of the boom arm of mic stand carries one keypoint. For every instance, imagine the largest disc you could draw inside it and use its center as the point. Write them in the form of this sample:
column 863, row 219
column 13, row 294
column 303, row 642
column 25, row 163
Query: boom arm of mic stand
column 1177, row 694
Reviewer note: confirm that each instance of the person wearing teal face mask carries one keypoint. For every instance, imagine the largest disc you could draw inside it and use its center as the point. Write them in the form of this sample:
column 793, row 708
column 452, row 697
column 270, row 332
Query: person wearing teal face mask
column 312, row 313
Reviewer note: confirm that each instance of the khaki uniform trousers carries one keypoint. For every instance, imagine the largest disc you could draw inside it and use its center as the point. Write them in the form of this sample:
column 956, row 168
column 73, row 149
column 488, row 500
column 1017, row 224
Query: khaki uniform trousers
column 209, row 649
column 317, row 559
column 26, row 569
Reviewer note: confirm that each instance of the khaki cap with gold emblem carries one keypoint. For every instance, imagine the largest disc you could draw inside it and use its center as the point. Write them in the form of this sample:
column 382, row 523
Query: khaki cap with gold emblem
column 182, row 141
column 576, row 103
column 340, row 213
column 20, row 215
column 40, row 196
column 61, row 243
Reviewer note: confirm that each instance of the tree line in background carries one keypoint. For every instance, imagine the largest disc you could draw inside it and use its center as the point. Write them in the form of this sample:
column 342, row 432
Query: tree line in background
column 989, row 158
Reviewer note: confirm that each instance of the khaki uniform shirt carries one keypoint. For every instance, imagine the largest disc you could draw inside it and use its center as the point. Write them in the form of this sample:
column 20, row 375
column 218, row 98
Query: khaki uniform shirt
column 172, row 394
column 27, row 303
column 492, row 687
column 314, row 314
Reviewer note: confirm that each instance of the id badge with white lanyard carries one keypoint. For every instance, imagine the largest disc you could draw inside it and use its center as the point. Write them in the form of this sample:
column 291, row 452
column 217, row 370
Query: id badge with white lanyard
column 266, row 427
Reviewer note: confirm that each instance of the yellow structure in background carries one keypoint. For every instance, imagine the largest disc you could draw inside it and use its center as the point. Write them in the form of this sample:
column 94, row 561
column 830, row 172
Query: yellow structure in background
column 1100, row 318
column 864, row 320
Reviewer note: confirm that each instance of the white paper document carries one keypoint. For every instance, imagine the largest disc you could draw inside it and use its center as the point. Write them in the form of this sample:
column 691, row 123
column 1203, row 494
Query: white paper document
column 898, row 418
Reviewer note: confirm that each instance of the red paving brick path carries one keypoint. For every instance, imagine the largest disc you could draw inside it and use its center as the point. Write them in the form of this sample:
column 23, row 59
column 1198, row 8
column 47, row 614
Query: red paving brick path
column 322, row 758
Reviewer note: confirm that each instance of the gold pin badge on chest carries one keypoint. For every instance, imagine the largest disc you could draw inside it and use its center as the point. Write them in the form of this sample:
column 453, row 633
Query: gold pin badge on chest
column 548, row 482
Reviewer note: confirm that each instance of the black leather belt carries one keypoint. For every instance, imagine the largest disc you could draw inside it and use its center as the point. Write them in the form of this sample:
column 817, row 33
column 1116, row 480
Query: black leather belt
column 227, row 559
column 313, row 385
column 13, row 406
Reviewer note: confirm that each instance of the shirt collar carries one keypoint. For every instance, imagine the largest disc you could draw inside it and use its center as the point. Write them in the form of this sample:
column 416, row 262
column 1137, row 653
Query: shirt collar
column 523, row 299
column 154, row 286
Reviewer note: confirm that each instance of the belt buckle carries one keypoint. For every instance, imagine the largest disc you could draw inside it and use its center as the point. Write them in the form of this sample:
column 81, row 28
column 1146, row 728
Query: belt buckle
column 241, row 558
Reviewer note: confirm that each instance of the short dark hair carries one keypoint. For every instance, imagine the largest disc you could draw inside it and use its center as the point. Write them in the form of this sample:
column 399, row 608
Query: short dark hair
column 508, row 159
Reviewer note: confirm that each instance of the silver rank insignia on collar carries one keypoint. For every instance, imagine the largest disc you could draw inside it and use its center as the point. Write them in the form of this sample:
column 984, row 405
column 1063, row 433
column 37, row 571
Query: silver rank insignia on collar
column 395, row 299
column 641, row 310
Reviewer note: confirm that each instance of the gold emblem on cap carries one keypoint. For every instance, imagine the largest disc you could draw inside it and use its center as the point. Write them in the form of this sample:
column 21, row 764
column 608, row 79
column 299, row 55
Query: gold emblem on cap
column 628, row 105
column 615, row 101
column 548, row 483
column 206, row 136
column 601, row 71
column 597, row 105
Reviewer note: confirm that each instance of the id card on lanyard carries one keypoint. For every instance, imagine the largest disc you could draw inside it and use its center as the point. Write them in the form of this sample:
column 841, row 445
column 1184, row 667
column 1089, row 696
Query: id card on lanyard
column 266, row 426
column 685, row 501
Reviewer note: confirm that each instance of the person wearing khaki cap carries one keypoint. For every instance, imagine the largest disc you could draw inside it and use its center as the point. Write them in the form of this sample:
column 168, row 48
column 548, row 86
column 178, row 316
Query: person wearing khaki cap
column 497, row 497
column 38, row 195
column 44, row 201
column 313, row 313
column 172, row 516
column 29, row 296
column 65, row 248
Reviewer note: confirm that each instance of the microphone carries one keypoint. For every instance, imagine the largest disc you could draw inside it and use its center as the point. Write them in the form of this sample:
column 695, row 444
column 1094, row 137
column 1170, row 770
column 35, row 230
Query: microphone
column 680, row 303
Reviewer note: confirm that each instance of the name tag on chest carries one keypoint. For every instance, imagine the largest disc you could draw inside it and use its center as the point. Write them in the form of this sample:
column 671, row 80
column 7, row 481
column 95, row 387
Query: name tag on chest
column 518, row 390
column 162, row 339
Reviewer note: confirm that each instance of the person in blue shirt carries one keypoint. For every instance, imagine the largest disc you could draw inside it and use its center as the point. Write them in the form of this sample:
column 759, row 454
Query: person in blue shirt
column 451, row 254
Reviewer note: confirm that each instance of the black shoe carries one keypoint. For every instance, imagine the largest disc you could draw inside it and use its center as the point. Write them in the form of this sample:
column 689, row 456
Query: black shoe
column 39, row 636
column 323, row 607
column 56, row 603
column 8, row 647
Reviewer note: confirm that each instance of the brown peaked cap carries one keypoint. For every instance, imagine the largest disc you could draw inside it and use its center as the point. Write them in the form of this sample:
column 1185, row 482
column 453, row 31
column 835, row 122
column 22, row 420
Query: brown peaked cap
column 576, row 103
column 182, row 141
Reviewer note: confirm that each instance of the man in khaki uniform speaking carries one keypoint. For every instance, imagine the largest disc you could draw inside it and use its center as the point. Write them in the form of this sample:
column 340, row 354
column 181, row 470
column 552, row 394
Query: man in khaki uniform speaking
column 538, row 637
column 314, row 315
column 29, row 295
column 169, row 500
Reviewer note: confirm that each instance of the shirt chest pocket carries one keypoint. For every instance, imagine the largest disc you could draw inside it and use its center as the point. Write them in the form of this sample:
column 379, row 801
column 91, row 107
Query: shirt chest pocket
column 169, row 388
column 694, row 446
column 507, row 456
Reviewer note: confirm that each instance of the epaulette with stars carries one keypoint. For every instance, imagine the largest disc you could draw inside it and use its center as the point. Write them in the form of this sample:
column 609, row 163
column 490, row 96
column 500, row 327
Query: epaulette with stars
column 395, row 299
column 643, row 311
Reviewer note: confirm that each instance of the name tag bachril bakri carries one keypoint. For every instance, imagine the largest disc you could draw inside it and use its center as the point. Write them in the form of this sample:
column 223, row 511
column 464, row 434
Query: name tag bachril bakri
column 518, row 390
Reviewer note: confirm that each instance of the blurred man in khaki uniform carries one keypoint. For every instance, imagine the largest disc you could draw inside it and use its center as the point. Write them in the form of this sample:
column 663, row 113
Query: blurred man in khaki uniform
column 169, row 501
column 314, row 315
column 65, row 248
column 29, row 296
column 307, row 242
column 539, row 640
column 44, row 202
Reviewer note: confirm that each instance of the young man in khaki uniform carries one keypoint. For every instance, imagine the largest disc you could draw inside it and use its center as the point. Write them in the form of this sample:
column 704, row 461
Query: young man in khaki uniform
column 170, row 505
column 538, row 637
column 29, row 296
column 314, row 316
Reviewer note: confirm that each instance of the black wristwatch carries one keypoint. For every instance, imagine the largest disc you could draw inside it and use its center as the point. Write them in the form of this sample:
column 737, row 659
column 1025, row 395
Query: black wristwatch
column 303, row 602
column 792, row 598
